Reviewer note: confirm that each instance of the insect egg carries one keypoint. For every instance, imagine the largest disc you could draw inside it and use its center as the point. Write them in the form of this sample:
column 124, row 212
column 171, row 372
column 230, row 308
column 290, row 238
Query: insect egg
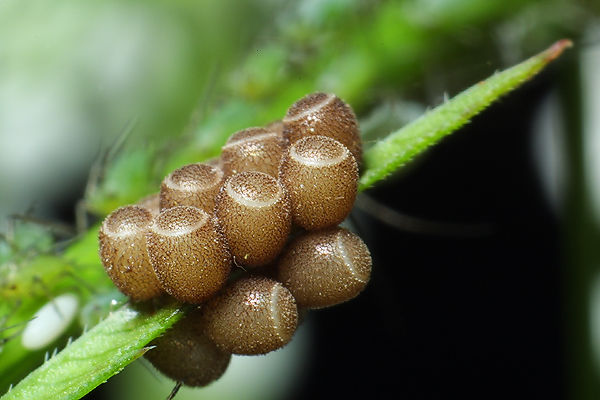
column 185, row 354
column 151, row 203
column 253, row 315
column 188, row 253
column 50, row 322
column 254, row 213
column 323, row 114
column 123, row 252
column 321, row 178
column 191, row 185
column 253, row 149
column 214, row 162
column 325, row 268
column 275, row 126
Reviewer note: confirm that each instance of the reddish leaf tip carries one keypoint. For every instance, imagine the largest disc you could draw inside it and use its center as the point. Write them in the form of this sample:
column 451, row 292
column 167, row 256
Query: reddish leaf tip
column 557, row 48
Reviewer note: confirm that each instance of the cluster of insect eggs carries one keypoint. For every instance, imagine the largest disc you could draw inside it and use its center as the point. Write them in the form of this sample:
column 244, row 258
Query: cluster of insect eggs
column 272, row 204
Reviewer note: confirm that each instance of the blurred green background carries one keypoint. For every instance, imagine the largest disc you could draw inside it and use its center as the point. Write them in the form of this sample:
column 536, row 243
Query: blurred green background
column 132, row 89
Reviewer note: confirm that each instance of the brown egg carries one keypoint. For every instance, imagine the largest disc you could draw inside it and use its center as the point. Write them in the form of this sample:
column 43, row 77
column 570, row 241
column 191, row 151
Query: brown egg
column 188, row 253
column 253, row 149
column 323, row 114
column 276, row 126
column 151, row 203
column 253, row 315
column 253, row 212
column 123, row 253
column 214, row 162
column 325, row 268
column 193, row 185
column 185, row 354
column 320, row 176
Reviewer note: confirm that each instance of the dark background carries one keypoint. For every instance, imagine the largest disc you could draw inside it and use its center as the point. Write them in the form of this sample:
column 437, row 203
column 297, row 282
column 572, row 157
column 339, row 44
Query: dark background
column 455, row 316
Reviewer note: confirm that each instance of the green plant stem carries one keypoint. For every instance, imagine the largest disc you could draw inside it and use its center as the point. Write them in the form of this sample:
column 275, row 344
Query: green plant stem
column 96, row 356
column 401, row 146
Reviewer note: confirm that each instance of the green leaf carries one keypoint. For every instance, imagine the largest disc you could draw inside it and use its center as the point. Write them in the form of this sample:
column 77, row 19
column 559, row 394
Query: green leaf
column 96, row 356
column 401, row 146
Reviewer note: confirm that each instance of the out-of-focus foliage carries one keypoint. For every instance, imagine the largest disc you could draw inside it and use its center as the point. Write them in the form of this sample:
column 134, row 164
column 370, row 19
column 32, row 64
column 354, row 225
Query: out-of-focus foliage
column 366, row 52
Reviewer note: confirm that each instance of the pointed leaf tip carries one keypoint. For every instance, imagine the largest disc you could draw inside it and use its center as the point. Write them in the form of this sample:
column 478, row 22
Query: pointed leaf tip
column 399, row 147
column 556, row 49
